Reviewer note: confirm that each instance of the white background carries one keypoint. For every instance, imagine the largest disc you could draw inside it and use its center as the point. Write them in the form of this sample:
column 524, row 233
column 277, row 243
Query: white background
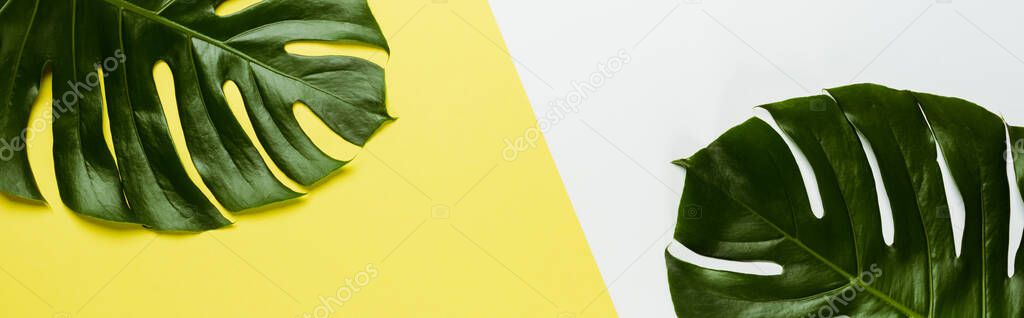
column 697, row 69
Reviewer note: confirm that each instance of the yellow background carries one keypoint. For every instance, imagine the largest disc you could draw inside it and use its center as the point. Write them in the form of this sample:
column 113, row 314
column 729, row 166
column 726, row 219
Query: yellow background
column 452, row 228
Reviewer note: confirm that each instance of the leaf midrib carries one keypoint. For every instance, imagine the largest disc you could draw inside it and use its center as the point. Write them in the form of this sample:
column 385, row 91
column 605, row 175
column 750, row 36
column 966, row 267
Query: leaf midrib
column 877, row 293
column 821, row 258
column 124, row 5
column 873, row 291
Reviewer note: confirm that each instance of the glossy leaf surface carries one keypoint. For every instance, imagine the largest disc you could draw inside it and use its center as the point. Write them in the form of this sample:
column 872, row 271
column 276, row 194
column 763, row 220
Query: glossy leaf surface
column 119, row 41
column 753, row 205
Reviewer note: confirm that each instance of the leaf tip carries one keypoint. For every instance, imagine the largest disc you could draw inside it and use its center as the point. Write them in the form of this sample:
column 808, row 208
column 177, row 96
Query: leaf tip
column 685, row 162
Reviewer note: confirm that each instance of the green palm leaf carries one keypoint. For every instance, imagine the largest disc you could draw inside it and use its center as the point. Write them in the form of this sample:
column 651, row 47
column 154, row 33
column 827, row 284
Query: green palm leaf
column 754, row 206
column 147, row 183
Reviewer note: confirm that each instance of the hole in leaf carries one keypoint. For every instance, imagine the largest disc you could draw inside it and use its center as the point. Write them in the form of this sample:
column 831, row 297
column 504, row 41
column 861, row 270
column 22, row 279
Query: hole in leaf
column 1016, row 209
column 108, row 136
column 343, row 48
column 163, row 78
column 954, row 200
column 681, row 252
column 233, row 95
column 322, row 135
column 884, row 205
column 229, row 7
column 38, row 141
column 806, row 171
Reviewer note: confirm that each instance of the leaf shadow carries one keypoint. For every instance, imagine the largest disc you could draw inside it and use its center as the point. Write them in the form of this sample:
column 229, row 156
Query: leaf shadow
column 24, row 201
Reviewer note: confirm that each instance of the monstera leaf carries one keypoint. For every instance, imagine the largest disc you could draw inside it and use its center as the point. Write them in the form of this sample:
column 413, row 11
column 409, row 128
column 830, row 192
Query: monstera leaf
column 745, row 200
column 119, row 41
